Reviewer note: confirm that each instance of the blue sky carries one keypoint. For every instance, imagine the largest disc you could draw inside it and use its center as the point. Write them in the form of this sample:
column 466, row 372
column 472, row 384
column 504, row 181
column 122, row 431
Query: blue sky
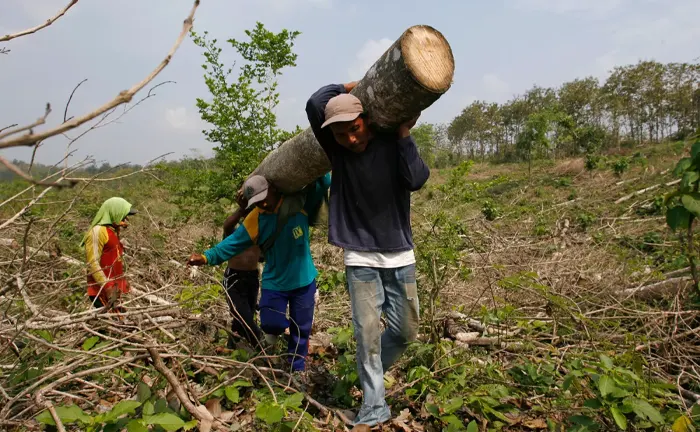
column 501, row 48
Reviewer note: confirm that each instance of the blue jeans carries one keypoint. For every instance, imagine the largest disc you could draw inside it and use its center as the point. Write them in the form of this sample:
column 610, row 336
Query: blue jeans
column 273, row 319
column 373, row 291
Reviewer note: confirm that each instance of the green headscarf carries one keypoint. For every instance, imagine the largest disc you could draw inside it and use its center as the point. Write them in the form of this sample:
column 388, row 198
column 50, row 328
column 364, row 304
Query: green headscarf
column 113, row 211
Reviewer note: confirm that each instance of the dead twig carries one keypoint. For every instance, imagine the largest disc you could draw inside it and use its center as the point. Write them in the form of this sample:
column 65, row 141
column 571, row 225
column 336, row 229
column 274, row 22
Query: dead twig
column 70, row 98
column 40, row 26
column 121, row 98
column 200, row 413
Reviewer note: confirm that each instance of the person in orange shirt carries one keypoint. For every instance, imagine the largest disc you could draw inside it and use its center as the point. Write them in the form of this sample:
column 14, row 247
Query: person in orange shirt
column 104, row 254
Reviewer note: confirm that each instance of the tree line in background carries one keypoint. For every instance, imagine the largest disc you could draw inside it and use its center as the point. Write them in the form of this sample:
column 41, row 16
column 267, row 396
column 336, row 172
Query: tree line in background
column 645, row 102
column 39, row 170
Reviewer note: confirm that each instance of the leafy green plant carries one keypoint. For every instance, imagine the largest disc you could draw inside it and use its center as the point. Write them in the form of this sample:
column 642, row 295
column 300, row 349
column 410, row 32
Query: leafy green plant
column 592, row 162
column 622, row 394
column 683, row 206
column 273, row 414
column 490, row 210
column 585, row 220
column 123, row 415
column 241, row 115
column 620, row 166
column 329, row 281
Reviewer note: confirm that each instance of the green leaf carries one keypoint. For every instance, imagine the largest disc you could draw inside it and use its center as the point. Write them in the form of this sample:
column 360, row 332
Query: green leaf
column 168, row 421
column 136, row 426
column 242, row 383
column 148, row 408
column 606, row 385
column 143, row 392
column 161, row 406
column 644, row 409
column 269, row 412
column 619, row 393
column 453, row 405
column 123, row 407
column 695, row 150
column 472, row 426
column 682, row 424
column 620, row 418
column 593, row 403
column 90, row 342
column 568, row 381
column 582, row 420
column 607, row 361
column 233, row 394
column 678, row 218
column 688, row 181
column 72, row 413
column 190, row 424
column 44, row 417
column 433, row 409
column 692, row 203
column 695, row 412
column 294, row 400
column 682, row 166
column 44, row 334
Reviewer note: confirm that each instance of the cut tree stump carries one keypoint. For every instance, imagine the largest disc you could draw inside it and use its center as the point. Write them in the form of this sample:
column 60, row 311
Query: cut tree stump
column 408, row 78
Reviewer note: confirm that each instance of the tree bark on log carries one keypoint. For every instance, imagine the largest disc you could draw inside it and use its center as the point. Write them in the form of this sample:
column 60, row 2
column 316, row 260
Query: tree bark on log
column 408, row 78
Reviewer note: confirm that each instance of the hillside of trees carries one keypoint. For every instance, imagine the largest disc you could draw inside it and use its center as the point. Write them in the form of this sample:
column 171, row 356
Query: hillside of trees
column 644, row 102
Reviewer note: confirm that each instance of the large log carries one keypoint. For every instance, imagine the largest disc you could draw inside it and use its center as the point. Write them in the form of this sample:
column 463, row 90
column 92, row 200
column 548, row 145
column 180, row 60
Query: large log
column 408, row 78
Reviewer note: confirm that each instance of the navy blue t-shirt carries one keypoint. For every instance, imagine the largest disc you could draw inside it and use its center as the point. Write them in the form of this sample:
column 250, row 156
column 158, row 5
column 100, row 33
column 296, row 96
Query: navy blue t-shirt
column 370, row 195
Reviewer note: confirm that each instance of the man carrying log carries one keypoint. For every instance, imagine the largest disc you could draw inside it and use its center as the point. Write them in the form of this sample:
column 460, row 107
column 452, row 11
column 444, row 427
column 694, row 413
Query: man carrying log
column 241, row 282
column 374, row 173
column 279, row 224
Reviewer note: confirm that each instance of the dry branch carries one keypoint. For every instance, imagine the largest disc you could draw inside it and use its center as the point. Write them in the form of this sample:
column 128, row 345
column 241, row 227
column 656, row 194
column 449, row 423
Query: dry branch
column 656, row 290
column 643, row 191
column 40, row 26
column 200, row 414
column 123, row 97
column 40, row 121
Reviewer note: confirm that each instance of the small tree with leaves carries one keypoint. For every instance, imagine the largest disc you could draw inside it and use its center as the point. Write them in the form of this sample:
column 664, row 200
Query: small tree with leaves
column 683, row 206
column 240, row 112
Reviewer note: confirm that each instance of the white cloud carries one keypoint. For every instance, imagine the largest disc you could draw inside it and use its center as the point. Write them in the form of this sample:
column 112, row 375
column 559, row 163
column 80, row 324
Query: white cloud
column 366, row 56
column 594, row 7
column 180, row 119
column 495, row 86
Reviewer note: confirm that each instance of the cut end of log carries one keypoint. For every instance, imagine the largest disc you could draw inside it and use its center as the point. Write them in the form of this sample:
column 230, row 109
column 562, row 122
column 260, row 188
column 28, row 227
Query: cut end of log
column 428, row 57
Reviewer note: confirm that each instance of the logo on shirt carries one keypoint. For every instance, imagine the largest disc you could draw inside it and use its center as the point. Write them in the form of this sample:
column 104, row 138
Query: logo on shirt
column 297, row 232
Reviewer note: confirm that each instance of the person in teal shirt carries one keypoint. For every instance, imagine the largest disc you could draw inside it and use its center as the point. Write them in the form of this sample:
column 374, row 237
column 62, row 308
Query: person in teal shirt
column 289, row 275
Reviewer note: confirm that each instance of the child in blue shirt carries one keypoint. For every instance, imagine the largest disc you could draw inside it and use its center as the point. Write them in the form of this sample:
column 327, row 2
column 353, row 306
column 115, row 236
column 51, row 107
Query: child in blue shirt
column 289, row 275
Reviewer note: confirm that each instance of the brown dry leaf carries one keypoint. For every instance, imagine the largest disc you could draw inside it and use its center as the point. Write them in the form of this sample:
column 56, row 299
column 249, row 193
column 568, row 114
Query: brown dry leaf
column 535, row 424
column 226, row 416
column 214, row 407
column 401, row 422
column 207, row 419
column 320, row 343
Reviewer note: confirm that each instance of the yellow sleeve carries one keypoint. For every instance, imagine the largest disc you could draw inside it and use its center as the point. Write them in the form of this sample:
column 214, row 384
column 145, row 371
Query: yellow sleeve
column 96, row 239
column 251, row 225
